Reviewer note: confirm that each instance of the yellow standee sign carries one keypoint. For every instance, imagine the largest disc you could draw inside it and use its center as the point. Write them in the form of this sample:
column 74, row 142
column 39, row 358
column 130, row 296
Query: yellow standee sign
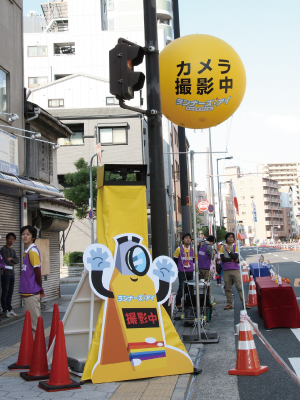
column 203, row 81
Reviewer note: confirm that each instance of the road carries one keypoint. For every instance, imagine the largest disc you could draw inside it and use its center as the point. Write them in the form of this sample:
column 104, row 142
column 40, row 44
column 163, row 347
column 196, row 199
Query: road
column 275, row 384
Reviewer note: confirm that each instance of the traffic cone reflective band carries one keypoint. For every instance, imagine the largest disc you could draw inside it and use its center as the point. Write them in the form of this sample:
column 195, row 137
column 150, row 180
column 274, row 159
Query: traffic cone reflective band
column 245, row 275
column 252, row 296
column 59, row 375
column 54, row 324
column 26, row 346
column 39, row 365
column 247, row 361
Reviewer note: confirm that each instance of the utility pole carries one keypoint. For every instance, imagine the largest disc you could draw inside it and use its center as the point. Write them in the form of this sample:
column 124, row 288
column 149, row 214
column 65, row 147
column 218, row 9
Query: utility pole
column 212, row 191
column 159, row 228
column 184, row 185
column 159, row 225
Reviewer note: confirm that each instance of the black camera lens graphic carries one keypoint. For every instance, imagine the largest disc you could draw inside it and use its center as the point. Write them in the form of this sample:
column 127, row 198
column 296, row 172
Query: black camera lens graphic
column 137, row 260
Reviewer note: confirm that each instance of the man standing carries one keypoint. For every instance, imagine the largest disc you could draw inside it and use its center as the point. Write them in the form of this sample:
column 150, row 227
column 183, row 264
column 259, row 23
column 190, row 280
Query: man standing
column 205, row 255
column 230, row 265
column 184, row 258
column 8, row 278
column 30, row 287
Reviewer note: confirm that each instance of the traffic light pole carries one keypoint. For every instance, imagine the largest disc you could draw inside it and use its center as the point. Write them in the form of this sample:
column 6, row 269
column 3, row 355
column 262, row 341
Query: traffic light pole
column 185, row 208
column 159, row 229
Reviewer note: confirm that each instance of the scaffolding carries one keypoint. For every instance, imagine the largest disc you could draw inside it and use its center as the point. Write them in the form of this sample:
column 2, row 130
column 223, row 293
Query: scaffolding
column 56, row 16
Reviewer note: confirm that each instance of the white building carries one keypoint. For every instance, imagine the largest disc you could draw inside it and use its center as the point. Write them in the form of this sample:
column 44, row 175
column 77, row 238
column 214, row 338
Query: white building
column 67, row 72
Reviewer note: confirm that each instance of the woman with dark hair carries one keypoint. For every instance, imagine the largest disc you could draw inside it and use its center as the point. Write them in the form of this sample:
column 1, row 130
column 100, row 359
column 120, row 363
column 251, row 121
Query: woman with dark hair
column 230, row 265
column 30, row 287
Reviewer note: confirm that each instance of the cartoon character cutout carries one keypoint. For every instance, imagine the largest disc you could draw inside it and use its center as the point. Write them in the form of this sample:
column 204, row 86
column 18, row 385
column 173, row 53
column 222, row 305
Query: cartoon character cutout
column 133, row 341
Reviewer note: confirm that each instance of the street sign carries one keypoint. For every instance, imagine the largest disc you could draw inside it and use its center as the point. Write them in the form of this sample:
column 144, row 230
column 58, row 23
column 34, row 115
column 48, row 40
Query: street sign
column 211, row 208
column 90, row 214
column 202, row 205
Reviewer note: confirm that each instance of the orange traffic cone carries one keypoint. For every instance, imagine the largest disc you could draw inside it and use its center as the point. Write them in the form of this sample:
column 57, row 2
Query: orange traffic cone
column 245, row 275
column 252, row 296
column 39, row 365
column 54, row 324
column 26, row 346
column 247, row 361
column 59, row 375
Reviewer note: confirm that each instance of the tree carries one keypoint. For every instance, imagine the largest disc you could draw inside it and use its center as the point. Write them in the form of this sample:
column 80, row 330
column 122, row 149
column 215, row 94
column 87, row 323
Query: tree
column 79, row 190
column 221, row 232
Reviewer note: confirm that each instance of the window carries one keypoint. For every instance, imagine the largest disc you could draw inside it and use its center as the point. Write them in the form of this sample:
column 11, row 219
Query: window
column 243, row 197
column 111, row 101
column 66, row 49
column 251, row 189
column 112, row 136
column 4, row 92
column 56, row 103
column 37, row 51
column 37, row 81
column 242, row 205
column 179, row 204
column 244, row 213
column 76, row 139
column 242, row 182
column 242, row 190
column 251, row 182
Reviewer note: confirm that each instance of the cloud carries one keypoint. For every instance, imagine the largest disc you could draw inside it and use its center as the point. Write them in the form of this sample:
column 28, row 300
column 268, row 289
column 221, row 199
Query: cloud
column 283, row 123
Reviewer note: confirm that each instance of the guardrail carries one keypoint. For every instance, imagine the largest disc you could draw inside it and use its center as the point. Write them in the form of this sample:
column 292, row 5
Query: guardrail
column 283, row 246
column 71, row 271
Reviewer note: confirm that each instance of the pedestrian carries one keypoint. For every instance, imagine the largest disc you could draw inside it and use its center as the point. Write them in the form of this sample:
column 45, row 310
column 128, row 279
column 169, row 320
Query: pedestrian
column 184, row 258
column 230, row 265
column 31, row 288
column 205, row 257
column 8, row 277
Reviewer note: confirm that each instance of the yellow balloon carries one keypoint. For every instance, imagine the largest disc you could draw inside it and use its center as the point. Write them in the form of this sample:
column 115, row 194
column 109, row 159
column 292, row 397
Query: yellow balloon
column 202, row 80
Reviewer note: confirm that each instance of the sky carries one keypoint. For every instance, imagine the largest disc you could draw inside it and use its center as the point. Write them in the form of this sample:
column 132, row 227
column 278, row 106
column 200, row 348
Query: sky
column 265, row 34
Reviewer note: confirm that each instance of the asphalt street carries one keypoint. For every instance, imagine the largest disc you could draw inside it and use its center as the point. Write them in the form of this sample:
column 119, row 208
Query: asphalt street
column 275, row 384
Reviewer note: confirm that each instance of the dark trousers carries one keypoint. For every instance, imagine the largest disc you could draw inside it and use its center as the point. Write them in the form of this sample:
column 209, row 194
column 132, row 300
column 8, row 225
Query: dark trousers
column 182, row 276
column 7, row 285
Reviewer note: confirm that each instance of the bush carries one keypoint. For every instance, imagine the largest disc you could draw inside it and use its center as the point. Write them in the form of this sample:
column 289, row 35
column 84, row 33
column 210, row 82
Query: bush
column 73, row 258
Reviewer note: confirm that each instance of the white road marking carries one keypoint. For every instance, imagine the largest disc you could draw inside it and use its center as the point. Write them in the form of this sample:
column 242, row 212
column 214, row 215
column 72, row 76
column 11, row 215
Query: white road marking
column 275, row 255
column 285, row 258
column 295, row 362
column 298, row 262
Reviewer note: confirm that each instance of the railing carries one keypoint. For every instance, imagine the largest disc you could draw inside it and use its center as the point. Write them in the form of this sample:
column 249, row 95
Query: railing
column 271, row 199
column 71, row 271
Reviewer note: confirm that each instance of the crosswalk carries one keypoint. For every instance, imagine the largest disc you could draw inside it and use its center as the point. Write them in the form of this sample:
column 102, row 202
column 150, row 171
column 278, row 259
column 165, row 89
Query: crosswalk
column 295, row 361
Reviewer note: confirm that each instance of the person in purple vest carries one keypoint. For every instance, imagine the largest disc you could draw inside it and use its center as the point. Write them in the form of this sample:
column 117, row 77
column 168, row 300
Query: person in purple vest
column 230, row 265
column 184, row 258
column 31, row 288
column 205, row 255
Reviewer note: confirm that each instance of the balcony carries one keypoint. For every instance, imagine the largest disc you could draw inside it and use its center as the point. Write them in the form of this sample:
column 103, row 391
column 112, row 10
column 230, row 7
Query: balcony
column 272, row 199
column 168, row 29
column 272, row 192
column 271, row 184
column 276, row 233
column 269, row 207
column 164, row 9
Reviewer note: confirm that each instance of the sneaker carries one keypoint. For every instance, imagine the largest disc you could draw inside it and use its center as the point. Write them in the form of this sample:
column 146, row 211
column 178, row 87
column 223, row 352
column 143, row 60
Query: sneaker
column 8, row 315
column 13, row 314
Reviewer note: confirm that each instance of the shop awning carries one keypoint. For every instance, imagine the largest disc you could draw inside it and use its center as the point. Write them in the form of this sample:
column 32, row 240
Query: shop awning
column 56, row 215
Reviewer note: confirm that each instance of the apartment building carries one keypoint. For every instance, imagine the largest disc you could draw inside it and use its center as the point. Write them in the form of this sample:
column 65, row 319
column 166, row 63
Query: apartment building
column 287, row 175
column 67, row 71
column 266, row 196
column 290, row 220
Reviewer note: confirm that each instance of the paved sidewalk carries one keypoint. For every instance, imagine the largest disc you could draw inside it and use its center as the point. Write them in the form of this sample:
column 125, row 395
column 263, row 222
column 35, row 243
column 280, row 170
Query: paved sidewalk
column 212, row 360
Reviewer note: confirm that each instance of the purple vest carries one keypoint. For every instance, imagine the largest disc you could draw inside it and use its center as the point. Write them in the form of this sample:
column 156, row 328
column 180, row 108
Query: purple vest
column 2, row 263
column 230, row 265
column 203, row 258
column 28, row 284
column 182, row 260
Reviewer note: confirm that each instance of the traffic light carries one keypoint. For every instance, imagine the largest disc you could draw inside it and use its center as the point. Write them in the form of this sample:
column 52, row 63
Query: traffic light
column 124, row 81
